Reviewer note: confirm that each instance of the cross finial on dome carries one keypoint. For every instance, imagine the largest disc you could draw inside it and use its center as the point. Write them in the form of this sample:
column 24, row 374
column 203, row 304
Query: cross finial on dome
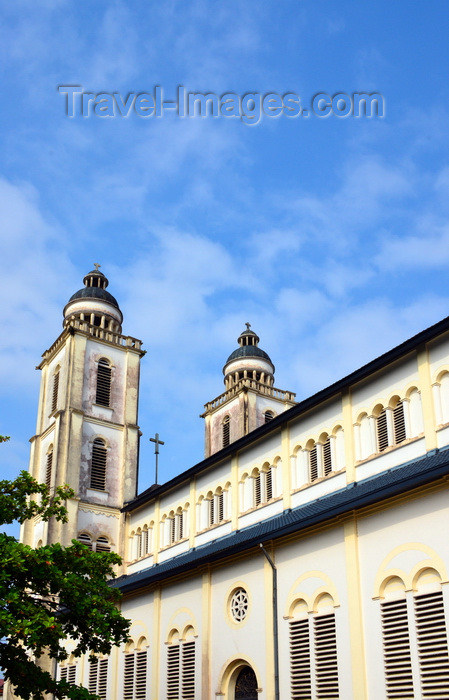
column 96, row 266
column 248, row 325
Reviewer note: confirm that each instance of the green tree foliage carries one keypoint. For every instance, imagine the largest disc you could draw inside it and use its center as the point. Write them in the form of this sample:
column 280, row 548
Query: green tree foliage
column 50, row 594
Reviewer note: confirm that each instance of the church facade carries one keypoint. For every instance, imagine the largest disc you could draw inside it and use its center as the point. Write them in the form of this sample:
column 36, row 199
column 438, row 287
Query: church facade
column 305, row 558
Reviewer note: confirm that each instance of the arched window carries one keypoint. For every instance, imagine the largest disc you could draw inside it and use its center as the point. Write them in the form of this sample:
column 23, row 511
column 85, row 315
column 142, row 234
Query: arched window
column 414, row 626
column 327, row 457
column 216, row 508
column 98, row 677
column 267, row 416
column 67, row 672
column 393, row 433
column 49, row 467
column 176, row 526
column 313, row 463
column 86, row 539
column 135, row 673
column 226, row 427
column 101, row 544
column 399, row 423
column 181, row 668
column 98, row 467
column 54, row 396
column 382, row 431
column 313, row 655
column 103, row 395
column 246, row 685
column 263, row 486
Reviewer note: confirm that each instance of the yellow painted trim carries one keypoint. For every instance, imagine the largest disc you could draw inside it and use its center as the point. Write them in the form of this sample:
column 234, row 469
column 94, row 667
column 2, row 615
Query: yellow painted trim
column 156, row 660
column 206, row 642
column 156, row 533
column 286, row 468
column 295, row 593
column 348, row 432
column 439, row 373
column 189, row 621
column 228, row 673
column 192, row 509
column 428, row 408
column 227, row 605
column 235, row 492
column 356, row 631
column 432, row 561
column 269, row 639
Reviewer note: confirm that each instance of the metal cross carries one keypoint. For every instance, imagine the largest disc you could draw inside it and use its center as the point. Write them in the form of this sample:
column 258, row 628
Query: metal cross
column 248, row 325
column 156, row 452
column 96, row 266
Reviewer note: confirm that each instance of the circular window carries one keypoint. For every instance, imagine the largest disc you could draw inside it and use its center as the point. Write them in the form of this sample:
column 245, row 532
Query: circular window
column 239, row 604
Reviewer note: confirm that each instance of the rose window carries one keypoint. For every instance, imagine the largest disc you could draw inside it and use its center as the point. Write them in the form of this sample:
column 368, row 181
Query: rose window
column 239, row 604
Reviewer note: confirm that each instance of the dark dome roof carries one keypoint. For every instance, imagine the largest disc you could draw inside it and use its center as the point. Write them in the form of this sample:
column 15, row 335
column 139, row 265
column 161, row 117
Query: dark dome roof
column 94, row 293
column 248, row 351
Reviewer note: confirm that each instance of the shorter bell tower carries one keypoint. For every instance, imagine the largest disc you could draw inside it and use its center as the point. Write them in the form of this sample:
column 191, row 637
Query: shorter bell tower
column 87, row 434
column 250, row 398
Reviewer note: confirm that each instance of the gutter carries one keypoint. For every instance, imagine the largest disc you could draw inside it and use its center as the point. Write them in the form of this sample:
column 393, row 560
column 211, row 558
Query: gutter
column 275, row 621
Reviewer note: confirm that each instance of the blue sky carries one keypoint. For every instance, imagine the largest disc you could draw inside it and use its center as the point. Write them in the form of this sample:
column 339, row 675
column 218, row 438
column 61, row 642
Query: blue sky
column 330, row 236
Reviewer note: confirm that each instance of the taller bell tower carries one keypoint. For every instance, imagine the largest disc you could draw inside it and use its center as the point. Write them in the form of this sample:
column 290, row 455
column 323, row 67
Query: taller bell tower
column 250, row 398
column 87, row 434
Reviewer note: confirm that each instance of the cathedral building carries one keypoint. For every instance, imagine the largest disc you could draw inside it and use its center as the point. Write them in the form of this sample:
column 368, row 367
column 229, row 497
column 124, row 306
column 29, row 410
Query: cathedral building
column 305, row 558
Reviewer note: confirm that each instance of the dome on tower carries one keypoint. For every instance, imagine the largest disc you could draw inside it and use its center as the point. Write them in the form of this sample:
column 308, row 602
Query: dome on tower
column 94, row 304
column 248, row 361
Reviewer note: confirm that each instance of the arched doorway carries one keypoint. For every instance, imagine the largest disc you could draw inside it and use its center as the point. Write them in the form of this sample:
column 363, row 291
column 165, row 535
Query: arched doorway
column 246, row 685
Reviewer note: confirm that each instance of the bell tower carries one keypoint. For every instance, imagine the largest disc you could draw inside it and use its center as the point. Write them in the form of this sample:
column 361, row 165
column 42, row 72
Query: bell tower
column 87, row 434
column 250, row 398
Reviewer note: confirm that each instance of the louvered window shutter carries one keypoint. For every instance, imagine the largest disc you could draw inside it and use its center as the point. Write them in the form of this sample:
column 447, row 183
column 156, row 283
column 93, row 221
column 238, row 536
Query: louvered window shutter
column 257, row 495
column 128, row 678
column 173, row 680
column 220, row 507
column 382, row 432
column 103, row 679
column 98, row 467
column 313, row 464
column 103, row 394
column 399, row 423
column 188, row 671
column 300, row 670
column 211, row 511
column 145, row 542
column 93, row 675
column 397, row 657
column 432, row 642
column 54, row 398
column 269, row 484
column 48, row 469
column 102, row 545
column 71, row 674
column 85, row 539
column 226, row 431
column 141, row 675
column 327, row 457
column 326, row 669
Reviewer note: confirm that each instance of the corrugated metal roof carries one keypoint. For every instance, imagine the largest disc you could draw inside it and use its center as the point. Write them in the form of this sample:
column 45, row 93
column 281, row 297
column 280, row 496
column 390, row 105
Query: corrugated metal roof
column 372, row 490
